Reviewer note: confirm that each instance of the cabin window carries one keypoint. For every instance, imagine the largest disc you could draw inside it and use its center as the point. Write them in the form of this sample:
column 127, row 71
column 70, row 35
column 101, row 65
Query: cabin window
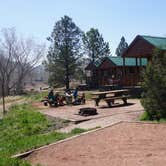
column 105, row 73
column 131, row 70
column 88, row 73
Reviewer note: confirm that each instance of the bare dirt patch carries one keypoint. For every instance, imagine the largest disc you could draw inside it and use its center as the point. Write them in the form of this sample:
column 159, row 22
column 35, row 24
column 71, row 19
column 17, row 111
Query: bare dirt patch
column 71, row 112
column 131, row 144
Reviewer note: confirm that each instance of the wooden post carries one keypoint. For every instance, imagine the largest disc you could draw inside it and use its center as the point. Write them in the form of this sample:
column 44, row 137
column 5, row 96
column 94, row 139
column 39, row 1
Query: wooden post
column 137, row 70
column 140, row 61
column 140, row 68
column 124, row 74
column 123, row 67
column 136, row 61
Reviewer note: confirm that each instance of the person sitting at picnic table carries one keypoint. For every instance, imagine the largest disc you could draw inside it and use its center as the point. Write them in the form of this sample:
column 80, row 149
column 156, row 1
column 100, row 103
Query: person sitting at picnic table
column 60, row 100
column 75, row 94
column 80, row 99
column 51, row 95
column 51, row 98
column 68, row 97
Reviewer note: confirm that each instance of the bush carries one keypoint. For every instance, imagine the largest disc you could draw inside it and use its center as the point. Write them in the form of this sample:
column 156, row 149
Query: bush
column 154, row 85
column 144, row 116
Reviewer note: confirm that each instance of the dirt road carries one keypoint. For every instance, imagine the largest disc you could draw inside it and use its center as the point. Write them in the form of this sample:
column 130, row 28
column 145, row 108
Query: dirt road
column 124, row 144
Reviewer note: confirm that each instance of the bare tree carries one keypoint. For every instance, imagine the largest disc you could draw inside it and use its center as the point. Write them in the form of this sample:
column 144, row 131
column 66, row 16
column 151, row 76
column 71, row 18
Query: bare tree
column 30, row 57
column 8, row 60
column 18, row 57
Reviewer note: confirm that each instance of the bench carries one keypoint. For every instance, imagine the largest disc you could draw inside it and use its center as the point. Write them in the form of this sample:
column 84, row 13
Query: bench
column 110, row 100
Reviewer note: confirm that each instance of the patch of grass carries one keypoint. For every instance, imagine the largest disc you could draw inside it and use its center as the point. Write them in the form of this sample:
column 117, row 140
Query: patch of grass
column 6, row 161
column 97, row 127
column 9, row 99
column 146, row 117
column 88, row 94
column 23, row 129
column 78, row 131
column 36, row 96
column 162, row 120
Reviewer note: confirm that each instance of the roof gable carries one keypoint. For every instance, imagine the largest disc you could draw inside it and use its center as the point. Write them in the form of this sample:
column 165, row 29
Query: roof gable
column 158, row 42
column 90, row 66
column 144, row 46
column 93, row 65
column 106, row 63
column 139, row 48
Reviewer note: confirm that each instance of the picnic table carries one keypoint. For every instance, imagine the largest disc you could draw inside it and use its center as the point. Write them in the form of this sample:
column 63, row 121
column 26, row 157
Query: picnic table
column 110, row 96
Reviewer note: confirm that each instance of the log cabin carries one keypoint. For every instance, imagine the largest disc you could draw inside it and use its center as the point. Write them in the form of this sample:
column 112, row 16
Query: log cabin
column 142, row 47
column 125, row 70
column 109, row 71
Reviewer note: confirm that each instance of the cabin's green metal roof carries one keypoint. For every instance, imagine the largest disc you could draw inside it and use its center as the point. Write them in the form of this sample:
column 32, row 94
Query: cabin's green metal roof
column 158, row 42
column 118, row 61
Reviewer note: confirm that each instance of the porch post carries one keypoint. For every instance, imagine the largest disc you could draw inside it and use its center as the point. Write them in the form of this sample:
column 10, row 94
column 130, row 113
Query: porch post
column 137, row 70
column 136, row 61
column 140, row 68
column 123, row 77
column 140, row 61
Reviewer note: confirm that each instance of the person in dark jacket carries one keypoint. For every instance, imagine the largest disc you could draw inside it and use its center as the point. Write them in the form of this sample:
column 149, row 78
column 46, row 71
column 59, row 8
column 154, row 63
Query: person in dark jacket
column 75, row 94
column 52, row 99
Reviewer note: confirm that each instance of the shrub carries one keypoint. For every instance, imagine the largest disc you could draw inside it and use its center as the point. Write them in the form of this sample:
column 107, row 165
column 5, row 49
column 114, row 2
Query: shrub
column 154, row 85
column 144, row 116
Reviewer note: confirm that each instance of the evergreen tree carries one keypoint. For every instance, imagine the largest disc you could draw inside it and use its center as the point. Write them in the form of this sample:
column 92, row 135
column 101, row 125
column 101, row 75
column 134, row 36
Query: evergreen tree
column 65, row 51
column 154, row 85
column 121, row 47
column 95, row 45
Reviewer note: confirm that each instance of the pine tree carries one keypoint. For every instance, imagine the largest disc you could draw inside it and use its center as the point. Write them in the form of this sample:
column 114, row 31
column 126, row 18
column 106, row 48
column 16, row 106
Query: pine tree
column 95, row 45
column 121, row 47
column 154, row 85
column 64, row 52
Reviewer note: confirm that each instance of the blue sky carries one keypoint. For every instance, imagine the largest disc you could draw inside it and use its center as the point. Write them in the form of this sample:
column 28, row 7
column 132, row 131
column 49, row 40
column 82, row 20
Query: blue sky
column 113, row 18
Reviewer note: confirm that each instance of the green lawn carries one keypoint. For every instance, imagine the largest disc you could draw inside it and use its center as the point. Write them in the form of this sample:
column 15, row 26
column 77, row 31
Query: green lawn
column 23, row 129
column 36, row 96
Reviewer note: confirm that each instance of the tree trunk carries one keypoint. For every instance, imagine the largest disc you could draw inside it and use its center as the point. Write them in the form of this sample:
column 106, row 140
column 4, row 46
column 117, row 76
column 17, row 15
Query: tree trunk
column 7, row 89
column 67, row 74
column 67, row 77
column 19, row 85
column 67, row 81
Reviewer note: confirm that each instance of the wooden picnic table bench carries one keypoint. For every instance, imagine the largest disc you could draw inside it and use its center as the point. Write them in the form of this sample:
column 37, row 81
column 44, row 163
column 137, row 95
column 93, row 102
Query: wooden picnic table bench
column 116, row 94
